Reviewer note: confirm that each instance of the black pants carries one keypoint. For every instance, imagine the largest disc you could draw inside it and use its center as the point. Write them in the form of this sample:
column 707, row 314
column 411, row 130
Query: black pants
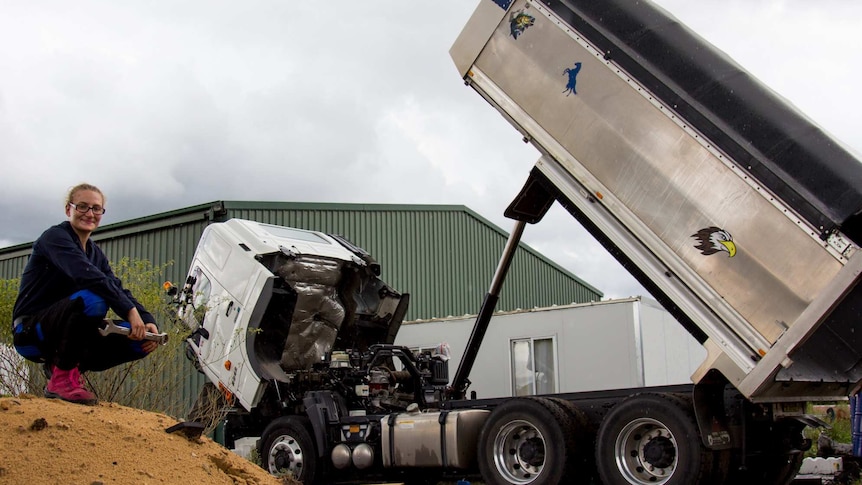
column 66, row 334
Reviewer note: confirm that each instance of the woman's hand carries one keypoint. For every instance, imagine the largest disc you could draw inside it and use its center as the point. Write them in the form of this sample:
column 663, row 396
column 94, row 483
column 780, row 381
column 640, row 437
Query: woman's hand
column 150, row 345
column 137, row 329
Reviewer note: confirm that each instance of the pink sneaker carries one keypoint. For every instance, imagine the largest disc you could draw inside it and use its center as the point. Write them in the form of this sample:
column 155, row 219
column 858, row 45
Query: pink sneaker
column 68, row 386
column 76, row 377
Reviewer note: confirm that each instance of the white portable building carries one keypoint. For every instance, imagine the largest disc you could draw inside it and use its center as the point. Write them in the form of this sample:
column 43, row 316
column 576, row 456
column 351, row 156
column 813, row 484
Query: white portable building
column 611, row 344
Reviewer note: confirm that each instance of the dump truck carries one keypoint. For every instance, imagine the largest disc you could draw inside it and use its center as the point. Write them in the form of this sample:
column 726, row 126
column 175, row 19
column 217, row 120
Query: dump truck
column 736, row 212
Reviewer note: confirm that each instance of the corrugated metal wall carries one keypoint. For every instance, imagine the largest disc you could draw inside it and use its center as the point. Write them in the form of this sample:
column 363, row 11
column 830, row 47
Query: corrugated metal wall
column 444, row 256
column 12, row 261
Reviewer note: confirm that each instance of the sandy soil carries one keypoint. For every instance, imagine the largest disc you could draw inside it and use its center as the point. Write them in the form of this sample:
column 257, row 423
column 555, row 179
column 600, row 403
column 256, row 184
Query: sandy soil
column 47, row 441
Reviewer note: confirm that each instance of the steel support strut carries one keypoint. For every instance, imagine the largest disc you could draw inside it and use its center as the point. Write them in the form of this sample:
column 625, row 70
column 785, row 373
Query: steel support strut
column 461, row 381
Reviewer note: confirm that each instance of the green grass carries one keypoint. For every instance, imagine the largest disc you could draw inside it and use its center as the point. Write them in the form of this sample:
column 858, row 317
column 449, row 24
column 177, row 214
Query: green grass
column 839, row 431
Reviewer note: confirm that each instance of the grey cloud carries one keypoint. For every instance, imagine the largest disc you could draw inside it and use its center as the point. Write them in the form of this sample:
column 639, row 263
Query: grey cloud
column 167, row 104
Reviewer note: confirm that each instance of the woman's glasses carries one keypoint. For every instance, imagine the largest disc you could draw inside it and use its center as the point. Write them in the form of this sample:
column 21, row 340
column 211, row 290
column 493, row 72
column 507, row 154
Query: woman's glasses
column 84, row 208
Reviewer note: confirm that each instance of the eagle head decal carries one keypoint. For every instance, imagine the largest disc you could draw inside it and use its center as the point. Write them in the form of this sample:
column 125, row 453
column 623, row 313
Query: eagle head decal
column 713, row 240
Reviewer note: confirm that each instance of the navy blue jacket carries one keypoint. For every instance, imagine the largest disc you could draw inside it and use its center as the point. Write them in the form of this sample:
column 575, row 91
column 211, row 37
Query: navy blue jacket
column 58, row 267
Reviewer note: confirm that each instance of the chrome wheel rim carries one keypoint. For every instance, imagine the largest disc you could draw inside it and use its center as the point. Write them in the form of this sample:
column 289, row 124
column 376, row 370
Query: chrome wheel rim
column 646, row 452
column 285, row 457
column 519, row 452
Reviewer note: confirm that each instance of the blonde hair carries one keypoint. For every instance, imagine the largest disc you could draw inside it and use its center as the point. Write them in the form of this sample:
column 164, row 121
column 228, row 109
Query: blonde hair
column 83, row 186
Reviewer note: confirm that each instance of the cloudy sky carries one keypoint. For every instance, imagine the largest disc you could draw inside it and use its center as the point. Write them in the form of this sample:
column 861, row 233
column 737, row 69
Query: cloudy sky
column 166, row 104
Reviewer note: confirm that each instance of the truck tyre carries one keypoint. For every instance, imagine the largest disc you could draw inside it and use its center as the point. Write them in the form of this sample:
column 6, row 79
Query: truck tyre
column 774, row 458
column 585, row 435
column 782, row 470
column 771, row 469
column 652, row 439
column 528, row 440
column 286, row 448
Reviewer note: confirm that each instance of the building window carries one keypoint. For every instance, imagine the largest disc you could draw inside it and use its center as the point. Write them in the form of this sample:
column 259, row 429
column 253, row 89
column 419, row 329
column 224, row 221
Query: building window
column 534, row 366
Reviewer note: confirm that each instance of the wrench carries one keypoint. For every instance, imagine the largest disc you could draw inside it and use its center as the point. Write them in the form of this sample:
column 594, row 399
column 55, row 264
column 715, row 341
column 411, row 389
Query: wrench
column 111, row 327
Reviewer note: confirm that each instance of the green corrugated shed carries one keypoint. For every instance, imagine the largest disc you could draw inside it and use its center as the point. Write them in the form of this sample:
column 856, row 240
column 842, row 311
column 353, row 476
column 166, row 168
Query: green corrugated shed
column 443, row 255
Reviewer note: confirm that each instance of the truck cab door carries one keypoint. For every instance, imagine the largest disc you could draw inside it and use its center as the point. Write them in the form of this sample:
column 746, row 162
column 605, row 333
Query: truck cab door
column 210, row 313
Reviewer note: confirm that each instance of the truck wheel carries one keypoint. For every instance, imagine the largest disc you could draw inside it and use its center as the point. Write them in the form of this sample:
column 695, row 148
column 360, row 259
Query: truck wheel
column 781, row 470
column 652, row 439
column 528, row 440
column 286, row 448
column 774, row 457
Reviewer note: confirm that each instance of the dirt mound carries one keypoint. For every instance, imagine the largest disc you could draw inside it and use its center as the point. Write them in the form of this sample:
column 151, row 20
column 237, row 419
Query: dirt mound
column 46, row 441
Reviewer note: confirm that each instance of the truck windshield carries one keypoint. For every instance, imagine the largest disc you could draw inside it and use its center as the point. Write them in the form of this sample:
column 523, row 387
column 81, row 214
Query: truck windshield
column 290, row 233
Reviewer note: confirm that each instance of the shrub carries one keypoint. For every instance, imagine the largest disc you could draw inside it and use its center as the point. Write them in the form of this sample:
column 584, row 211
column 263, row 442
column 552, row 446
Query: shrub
column 152, row 383
column 15, row 375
